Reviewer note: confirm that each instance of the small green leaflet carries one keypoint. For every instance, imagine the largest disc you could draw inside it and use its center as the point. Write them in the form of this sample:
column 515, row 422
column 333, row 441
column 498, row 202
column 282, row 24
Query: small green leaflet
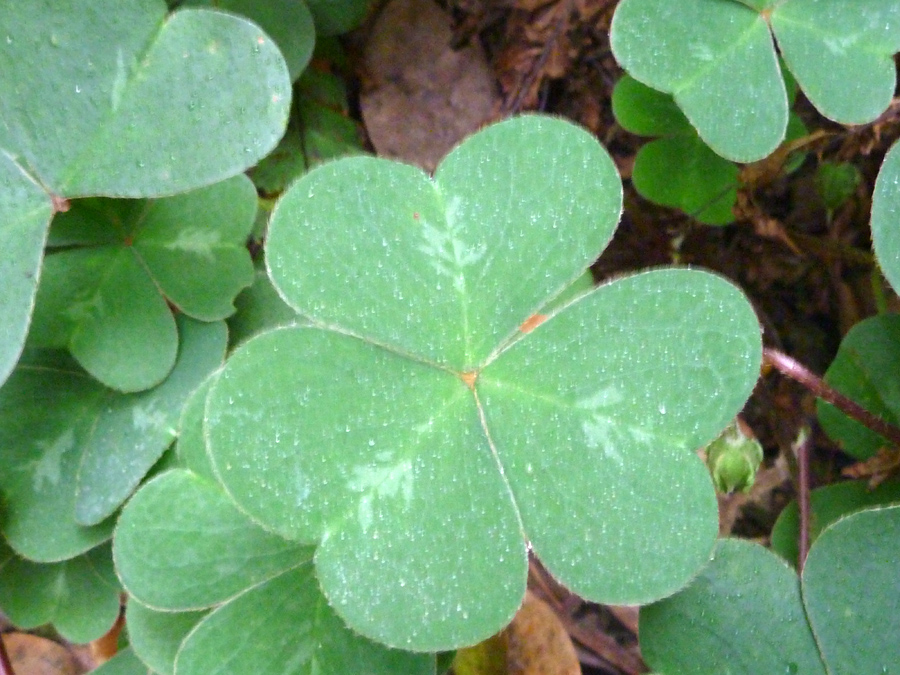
column 105, row 296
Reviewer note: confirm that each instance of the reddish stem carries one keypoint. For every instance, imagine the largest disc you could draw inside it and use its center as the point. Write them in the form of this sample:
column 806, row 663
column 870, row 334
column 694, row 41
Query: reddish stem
column 803, row 489
column 799, row 373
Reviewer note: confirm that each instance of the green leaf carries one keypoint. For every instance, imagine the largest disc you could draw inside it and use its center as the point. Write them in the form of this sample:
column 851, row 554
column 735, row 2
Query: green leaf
column 75, row 596
column 886, row 215
column 682, row 171
column 679, row 170
column 576, row 417
column 103, row 306
column 204, row 231
column 333, row 17
column 285, row 627
column 74, row 447
column 183, row 541
column 25, row 212
column 841, row 54
column 191, row 444
column 46, row 417
column 827, row 504
column 288, row 22
column 132, row 431
column 425, row 293
column 104, row 301
column 116, row 98
column 864, row 369
column 123, row 663
column 645, row 111
column 742, row 613
column 851, row 593
column 717, row 59
column 747, row 610
column 259, row 307
column 181, row 544
column 156, row 636
column 836, row 182
column 96, row 99
column 380, row 493
column 433, row 238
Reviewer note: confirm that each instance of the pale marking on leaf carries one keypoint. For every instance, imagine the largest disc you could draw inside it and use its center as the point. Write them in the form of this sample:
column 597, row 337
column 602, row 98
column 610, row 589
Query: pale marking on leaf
column 119, row 81
column 606, row 397
column 381, row 481
column 48, row 469
column 449, row 254
column 700, row 51
column 147, row 418
column 85, row 308
column 197, row 241
column 599, row 433
column 599, row 430
column 839, row 45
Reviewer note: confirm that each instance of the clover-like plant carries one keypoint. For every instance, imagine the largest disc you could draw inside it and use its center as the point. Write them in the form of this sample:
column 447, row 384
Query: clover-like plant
column 847, row 594
column 437, row 421
column 749, row 609
column 827, row 505
column 865, row 368
column 117, row 98
column 678, row 169
column 75, row 450
column 105, row 296
column 718, row 59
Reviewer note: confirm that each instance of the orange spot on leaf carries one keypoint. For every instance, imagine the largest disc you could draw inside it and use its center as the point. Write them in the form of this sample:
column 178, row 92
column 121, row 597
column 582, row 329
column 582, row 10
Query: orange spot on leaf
column 532, row 322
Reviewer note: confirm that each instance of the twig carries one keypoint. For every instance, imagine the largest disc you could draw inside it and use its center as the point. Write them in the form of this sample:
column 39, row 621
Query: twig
column 528, row 79
column 798, row 372
column 5, row 665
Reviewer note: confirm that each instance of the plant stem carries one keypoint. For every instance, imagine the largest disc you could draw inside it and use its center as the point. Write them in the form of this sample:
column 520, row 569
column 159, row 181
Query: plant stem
column 5, row 665
column 803, row 489
column 800, row 373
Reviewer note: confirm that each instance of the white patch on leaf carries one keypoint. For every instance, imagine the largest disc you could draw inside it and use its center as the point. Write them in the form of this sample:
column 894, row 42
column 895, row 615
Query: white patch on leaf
column 449, row 254
column 385, row 481
column 195, row 240
column 48, row 469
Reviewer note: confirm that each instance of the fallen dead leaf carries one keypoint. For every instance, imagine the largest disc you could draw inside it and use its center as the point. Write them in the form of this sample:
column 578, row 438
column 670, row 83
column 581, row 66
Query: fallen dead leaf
column 538, row 643
column 535, row 643
column 422, row 97
column 885, row 464
column 33, row 655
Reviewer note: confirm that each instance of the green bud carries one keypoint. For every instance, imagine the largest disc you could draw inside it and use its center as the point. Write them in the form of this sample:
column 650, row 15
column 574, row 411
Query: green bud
column 733, row 459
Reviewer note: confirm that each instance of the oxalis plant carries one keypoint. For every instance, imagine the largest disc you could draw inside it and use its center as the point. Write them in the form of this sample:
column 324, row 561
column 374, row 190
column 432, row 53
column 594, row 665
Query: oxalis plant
column 749, row 608
column 435, row 421
column 373, row 480
column 426, row 387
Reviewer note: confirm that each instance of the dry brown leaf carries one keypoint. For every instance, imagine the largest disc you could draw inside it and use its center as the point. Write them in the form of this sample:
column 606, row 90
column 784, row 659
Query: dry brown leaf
column 538, row 643
column 535, row 643
column 877, row 469
column 33, row 655
column 422, row 96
